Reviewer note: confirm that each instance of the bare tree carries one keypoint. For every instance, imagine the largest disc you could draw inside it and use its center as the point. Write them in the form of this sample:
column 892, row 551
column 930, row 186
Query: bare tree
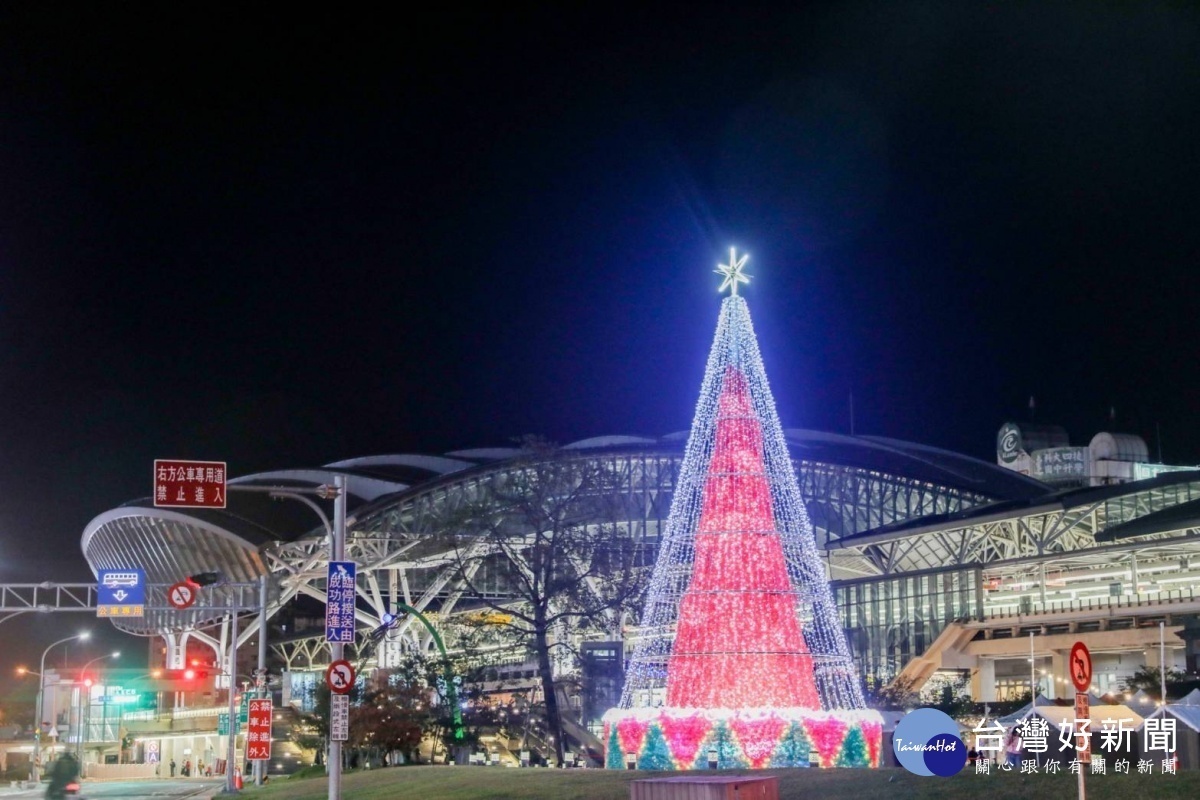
column 548, row 532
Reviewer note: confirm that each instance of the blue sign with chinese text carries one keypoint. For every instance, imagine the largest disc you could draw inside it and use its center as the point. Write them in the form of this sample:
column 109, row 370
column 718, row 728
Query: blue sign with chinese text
column 340, row 603
column 121, row 593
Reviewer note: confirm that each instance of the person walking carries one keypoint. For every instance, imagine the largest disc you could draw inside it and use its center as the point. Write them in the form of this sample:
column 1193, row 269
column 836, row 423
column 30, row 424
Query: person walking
column 172, row 768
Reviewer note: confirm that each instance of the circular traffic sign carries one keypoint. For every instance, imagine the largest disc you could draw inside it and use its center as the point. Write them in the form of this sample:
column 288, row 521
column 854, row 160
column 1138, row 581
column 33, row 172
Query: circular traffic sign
column 182, row 595
column 340, row 677
column 1080, row 667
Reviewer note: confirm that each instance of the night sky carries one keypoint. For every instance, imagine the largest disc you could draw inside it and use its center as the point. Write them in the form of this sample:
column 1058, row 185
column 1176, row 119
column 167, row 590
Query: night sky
column 281, row 241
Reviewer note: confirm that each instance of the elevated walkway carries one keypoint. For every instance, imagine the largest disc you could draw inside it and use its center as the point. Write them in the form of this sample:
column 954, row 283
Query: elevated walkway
column 1116, row 624
column 177, row 721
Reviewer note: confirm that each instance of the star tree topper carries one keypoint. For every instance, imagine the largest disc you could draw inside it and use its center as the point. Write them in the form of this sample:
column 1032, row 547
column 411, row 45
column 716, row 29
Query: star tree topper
column 732, row 272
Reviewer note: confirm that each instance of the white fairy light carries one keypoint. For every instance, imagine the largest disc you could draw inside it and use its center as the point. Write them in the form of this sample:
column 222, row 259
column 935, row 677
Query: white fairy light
column 836, row 678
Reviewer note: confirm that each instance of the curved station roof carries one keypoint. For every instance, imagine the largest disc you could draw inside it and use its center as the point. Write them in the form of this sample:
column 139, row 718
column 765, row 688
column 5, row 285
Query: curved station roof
column 880, row 506
column 238, row 541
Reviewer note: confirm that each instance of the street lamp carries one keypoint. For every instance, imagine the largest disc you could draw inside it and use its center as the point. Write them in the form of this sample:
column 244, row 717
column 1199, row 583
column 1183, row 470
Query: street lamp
column 113, row 654
column 37, row 721
column 85, row 709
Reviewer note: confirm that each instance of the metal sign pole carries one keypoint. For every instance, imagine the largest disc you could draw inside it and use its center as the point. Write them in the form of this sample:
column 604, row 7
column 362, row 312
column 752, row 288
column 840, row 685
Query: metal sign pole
column 231, row 752
column 1079, row 667
column 337, row 552
column 260, row 767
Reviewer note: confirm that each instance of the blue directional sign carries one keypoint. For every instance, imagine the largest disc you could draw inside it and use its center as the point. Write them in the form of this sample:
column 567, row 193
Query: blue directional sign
column 340, row 603
column 121, row 593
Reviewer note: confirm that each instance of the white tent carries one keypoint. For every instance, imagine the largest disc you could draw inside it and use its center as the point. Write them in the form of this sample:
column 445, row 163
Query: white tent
column 1186, row 714
column 1101, row 715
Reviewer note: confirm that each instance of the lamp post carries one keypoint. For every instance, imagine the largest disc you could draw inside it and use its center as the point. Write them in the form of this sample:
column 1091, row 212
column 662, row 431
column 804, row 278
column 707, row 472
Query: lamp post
column 335, row 532
column 85, row 707
column 37, row 722
column 1032, row 675
column 1162, row 661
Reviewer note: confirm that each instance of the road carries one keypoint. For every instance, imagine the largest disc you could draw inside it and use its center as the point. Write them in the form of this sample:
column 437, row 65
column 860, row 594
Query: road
column 129, row 790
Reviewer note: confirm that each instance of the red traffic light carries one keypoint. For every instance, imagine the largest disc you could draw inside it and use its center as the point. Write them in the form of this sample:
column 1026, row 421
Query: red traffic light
column 188, row 674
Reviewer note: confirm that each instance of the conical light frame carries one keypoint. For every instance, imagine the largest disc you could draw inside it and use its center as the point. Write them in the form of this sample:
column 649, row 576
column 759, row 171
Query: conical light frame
column 837, row 681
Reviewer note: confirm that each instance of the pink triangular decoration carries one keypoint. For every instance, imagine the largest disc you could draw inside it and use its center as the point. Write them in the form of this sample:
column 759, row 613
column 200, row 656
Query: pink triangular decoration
column 827, row 736
column 631, row 732
column 758, row 738
column 684, row 736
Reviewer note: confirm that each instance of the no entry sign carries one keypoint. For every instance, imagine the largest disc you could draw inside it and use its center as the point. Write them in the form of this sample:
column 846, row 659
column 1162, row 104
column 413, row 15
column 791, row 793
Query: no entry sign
column 340, row 677
column 182, row 595
column 1081, row 667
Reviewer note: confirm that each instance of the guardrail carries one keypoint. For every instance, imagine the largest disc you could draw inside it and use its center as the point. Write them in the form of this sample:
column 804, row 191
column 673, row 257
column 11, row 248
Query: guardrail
column 119, row 772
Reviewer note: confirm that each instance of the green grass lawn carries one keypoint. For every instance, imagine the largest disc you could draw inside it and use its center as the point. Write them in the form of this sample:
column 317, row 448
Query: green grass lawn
column 496, row 783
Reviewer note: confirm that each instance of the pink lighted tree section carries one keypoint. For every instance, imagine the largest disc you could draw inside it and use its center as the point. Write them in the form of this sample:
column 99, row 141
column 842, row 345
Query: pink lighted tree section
column 738, row 642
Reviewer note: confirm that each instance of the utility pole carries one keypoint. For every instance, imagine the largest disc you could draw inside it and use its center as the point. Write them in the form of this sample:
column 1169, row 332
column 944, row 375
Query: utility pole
column 336, row 535
column 337, row 552
column 1162, row 660
column 231, row 751
column 1032, row 676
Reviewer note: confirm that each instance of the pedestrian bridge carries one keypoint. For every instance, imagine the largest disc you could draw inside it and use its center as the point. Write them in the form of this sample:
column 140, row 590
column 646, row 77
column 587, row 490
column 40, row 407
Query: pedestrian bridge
column 1120, row 628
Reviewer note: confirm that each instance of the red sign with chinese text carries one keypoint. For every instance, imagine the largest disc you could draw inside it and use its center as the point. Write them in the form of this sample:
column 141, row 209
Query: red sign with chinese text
column 189, row 484
column 1083, row 715
column 258, row 731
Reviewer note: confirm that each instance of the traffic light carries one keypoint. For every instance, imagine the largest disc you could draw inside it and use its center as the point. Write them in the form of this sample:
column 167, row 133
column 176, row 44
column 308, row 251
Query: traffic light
column 187, row 679
column 205, row 578
column 185, row 674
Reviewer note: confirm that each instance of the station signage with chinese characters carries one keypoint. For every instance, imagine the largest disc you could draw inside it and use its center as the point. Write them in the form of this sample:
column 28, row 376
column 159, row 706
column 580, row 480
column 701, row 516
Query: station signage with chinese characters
column 189, row 484
column 258, row 731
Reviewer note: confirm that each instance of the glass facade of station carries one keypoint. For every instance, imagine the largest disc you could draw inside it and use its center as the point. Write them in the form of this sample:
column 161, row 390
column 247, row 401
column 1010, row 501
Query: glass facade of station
column 891, row 620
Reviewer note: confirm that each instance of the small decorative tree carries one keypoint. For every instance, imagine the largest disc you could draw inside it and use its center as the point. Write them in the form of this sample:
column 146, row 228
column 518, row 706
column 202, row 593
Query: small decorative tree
column 655, row 755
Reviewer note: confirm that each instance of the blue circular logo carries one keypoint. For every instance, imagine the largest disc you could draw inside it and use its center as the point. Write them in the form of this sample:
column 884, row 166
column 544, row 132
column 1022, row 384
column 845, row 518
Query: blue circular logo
column 926, row 743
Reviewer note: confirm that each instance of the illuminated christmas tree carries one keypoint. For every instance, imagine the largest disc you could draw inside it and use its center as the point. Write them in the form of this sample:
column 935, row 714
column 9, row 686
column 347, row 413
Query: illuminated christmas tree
column 739, row 639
